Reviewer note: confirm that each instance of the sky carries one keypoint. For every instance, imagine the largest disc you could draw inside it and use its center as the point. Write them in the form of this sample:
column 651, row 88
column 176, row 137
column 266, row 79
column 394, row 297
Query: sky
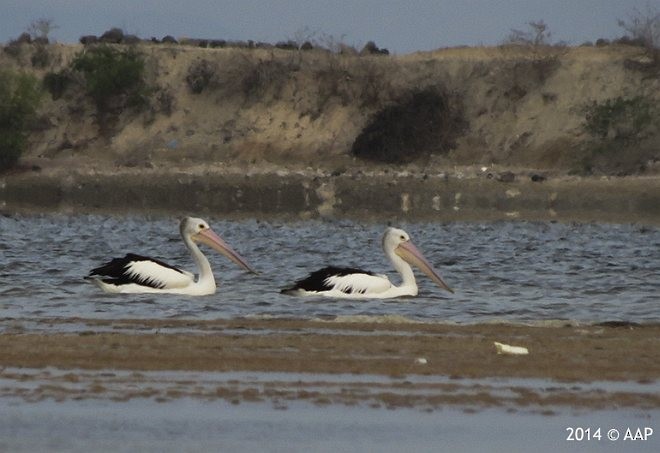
column 400, row 26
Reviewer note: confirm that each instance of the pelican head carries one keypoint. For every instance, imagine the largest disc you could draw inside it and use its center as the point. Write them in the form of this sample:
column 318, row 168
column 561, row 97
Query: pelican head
column 199, row 231
column 398, row 241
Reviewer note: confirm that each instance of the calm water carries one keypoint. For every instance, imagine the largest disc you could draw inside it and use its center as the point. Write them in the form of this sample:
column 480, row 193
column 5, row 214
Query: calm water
column 512, row 271
column 197, row 426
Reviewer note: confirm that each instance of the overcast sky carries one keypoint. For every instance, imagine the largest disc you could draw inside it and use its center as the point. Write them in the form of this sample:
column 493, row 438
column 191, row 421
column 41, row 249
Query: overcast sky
column 401, row 26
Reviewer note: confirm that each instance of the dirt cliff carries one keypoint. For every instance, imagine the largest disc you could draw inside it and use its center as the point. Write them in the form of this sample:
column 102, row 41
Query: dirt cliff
column 492, row 132
column 509, row 106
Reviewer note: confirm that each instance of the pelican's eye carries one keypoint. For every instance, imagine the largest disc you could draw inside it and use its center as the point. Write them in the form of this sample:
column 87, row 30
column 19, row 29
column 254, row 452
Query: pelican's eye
column 402, row 237
column 201, row 226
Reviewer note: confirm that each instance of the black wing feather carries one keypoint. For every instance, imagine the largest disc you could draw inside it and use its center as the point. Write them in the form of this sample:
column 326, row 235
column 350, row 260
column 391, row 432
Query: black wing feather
column 116, row 272
column 316, row 281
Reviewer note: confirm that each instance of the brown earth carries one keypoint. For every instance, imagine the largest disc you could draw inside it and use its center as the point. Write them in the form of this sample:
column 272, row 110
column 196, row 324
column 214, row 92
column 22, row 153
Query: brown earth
column 272, row 130
column 515, row 106
column 579, row 354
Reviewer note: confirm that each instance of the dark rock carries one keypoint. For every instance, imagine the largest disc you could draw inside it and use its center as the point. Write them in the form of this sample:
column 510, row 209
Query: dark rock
column 537, row 178
column 506, row 176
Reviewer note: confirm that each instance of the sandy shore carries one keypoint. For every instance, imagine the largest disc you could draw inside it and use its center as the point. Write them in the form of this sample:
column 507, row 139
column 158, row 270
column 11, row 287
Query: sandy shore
column 456, row 355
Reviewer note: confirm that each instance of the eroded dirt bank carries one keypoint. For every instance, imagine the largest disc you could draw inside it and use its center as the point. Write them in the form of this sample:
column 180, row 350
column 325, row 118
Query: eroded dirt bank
column 274, row 132
column 570, row 109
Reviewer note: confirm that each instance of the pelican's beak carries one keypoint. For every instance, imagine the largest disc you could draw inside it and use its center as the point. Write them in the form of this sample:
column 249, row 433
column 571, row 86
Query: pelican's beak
column 412, row 255
column 210, row 238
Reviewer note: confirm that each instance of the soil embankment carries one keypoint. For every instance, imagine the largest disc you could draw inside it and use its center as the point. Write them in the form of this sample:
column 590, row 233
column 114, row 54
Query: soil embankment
column 264, row 128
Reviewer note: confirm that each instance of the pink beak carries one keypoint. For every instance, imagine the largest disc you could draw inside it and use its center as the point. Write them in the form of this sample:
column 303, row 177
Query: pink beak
column 210, row 238
column 412, row 255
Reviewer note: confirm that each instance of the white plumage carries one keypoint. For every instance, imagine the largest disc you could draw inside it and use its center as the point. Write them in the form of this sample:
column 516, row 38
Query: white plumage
column 139, row 274
column 354, row 283
column 359, row 283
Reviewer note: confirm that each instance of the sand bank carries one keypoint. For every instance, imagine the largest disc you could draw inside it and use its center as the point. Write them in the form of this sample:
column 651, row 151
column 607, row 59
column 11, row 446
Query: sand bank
column 447, row 358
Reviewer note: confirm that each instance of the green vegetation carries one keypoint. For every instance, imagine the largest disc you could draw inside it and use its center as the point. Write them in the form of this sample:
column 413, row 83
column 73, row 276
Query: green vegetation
column 19, row 98
column 619, row 118
column 200, row 74
column 114, row 78
column 40, row 58
column 623, row 131
column 56, row 83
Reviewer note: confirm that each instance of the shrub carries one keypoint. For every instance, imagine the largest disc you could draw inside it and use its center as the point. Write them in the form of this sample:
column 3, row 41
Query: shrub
column 19, row 99
column 263, row 75
column 423, row 122
column 56, row 83
column 619, row 118
column 40, row 58
column 113, row 36
column 114, row 78
column 537, row 35
column 363, row 82
column 644, row 27
column 41, row 28
column 250, row 79
column 623, row 131
column 200, row 74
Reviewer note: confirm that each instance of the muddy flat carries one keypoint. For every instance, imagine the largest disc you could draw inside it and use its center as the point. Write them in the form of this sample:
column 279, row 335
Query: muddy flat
column 440, row 361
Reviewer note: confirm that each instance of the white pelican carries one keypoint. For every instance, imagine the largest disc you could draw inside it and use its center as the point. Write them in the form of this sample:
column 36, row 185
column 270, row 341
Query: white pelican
column 139, row 274
column 358, row 284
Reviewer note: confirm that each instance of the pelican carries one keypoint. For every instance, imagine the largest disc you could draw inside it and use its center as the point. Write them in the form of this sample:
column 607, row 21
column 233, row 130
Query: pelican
column 139, row 274
column 353, row 283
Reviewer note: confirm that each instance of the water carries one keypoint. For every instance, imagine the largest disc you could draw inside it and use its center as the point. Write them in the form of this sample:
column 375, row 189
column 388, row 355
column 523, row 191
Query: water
column 504, row 271
column 192, row 426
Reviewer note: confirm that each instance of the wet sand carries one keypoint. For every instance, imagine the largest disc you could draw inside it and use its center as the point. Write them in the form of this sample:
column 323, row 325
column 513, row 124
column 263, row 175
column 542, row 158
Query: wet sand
column 461, row 364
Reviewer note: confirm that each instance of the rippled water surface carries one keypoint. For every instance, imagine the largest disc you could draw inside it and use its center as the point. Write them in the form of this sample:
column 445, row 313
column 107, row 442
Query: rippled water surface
column 513, row 271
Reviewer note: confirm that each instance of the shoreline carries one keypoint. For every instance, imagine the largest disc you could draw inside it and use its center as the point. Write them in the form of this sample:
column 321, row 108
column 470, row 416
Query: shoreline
column 606, row 351
column 316, row 194
column 342, row 363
